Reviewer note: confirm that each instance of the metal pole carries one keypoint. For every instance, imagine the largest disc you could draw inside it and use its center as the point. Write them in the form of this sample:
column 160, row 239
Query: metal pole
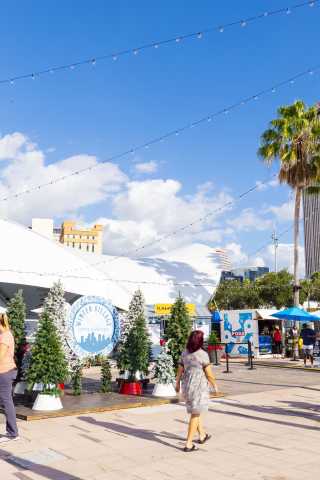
column 275, row 241
column 227, row 359
column 251, row 355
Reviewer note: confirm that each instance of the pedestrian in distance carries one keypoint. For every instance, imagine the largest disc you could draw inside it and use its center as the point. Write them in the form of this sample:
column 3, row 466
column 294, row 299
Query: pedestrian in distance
column 195, row 374
column 309, row 339
column 8, row 373
column 277, row 341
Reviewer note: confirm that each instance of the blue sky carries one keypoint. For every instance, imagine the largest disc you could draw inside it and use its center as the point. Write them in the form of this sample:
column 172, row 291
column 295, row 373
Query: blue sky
column 105, row 109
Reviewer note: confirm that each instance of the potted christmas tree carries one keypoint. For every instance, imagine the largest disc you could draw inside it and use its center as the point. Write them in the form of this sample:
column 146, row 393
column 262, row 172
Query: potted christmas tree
column 136, row 308
column 106, row 376
column 177, row 329
column 17, row 314
column 164, row 374
column 48, row 365
column 215, row 349
column 136, row 349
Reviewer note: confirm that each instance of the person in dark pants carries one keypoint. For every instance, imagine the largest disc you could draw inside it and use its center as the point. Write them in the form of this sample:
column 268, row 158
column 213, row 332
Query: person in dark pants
column 277, row 340
column 8, row 373
column 309, row 339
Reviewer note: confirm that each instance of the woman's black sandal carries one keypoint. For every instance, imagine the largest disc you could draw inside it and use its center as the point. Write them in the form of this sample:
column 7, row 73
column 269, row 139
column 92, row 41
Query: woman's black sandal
column 192, row 449
column 206, row 438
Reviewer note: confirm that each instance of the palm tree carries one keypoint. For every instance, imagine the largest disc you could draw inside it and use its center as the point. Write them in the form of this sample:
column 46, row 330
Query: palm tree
column 294, row 139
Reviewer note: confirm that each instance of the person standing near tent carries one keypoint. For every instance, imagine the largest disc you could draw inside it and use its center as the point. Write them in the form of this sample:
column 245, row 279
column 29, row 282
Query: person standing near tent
column 195, row 373
column 309, row 339
column 277, row 340
column 8, row 373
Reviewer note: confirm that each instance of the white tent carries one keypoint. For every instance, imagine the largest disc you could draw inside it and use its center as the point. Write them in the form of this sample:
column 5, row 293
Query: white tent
column 33, row 262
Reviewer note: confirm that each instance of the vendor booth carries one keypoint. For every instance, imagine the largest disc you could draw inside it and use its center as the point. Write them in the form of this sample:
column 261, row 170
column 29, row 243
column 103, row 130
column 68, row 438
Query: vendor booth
column 238, row 327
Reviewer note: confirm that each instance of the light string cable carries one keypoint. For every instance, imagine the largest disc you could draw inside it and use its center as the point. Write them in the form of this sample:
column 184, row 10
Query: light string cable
column 170, row 134
column 156, row 44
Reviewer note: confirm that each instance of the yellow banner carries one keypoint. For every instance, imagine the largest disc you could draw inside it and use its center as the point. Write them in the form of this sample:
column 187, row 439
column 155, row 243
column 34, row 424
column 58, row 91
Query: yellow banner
column 165, row 308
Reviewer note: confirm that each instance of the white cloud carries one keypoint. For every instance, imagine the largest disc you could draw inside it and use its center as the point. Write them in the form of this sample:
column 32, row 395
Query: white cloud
column 150, row 209
column 249, row 220
column 265, row 185
column 146, row 167
column 284, row 212
column 26, row 169
column 11, row 144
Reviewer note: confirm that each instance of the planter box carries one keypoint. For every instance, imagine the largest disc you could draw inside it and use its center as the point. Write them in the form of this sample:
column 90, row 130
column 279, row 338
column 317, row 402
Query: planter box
column 164, row 390
column 47, row 403
column 131, row 388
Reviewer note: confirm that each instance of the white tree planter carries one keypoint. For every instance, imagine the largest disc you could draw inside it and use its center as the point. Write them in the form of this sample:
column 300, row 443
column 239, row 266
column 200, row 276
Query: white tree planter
column 164, row 390
column 20, row 388
column 47, row 403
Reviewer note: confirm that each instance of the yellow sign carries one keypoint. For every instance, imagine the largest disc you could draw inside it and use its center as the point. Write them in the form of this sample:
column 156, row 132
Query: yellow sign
column 165, row 308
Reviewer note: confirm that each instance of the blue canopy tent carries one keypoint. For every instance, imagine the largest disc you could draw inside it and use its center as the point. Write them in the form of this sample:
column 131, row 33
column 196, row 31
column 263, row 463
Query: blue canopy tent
column 216, row 317
column 295, row 314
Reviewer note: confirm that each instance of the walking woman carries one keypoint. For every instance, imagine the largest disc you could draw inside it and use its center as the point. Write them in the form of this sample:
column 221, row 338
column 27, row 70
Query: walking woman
column 8, row 373
column 195, row 374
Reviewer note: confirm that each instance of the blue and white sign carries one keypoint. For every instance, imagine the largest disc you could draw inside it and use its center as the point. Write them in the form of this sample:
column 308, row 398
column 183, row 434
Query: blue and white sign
column 93, row 326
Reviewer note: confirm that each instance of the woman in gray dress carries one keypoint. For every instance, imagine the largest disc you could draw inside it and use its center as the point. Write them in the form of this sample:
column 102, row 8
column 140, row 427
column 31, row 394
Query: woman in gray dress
column 195, row 374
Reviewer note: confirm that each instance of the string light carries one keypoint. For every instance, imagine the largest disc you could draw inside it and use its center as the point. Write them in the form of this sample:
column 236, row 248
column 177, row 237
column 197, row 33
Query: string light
column 167, row 135
column 169, row 41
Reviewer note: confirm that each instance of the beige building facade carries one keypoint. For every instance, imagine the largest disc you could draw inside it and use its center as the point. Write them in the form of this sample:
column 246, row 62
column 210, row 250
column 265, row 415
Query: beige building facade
column 85, row 239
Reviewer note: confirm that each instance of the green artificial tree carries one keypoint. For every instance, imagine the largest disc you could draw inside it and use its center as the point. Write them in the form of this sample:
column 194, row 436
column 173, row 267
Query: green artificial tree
column 106, row 376
column 56, row 307
column 177, row 329
column 48, row 365
column 136, row 308
column 76, row 377
column 164, row 369
column 137, row 348
column 17, row 314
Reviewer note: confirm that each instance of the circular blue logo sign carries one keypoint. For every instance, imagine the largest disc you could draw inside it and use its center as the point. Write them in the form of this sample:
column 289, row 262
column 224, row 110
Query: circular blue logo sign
column 92, row 326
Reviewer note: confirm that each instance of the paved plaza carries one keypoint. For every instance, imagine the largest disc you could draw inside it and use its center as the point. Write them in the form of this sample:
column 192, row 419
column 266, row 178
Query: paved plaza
column 266, row 428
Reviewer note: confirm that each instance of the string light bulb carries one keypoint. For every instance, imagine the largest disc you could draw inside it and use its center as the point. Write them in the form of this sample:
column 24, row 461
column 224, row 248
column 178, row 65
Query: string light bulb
column 221, row 29
column 243, row 23
column 311, row 4
column 178, row 39
column 288, row 11
column 135, row 52
column 114, row 57
column 200, row 35
column 93, row 62
column 156, row 45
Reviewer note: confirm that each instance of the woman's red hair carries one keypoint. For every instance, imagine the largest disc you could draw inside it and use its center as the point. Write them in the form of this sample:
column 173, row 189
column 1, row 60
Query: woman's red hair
column 195, row 341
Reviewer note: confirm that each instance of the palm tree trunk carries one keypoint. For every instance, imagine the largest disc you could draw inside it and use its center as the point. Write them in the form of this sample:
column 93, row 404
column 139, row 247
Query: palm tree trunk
column 296, row 246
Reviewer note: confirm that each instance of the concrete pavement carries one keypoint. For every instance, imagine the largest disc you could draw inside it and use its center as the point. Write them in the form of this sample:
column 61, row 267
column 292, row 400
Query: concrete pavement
column 270, row 434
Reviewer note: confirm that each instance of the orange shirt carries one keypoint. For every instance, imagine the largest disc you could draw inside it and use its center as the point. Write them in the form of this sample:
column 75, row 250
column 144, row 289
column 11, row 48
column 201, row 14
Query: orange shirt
column 7, row 362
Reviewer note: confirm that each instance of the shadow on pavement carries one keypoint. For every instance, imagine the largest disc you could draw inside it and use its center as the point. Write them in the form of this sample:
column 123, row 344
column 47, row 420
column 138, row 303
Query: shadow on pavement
column 270, row 410
column 275, row 410
column 41, row 470
column 135, row 432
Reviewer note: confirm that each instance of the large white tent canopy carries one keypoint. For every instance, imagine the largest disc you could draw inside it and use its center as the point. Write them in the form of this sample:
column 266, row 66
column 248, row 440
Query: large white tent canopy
column 32, row 262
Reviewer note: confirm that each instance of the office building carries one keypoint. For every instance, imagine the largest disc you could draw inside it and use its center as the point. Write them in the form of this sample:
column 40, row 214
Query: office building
column 241, row 274
column 311, row 216
column 84, row 239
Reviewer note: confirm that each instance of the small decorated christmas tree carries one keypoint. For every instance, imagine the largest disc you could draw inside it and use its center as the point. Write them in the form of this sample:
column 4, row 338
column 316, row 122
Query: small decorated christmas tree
column 105, row 376
column 137, row 348
column 56, row 307
column 164, row 369
column 136, row 308
column 76, row 377
column 17, row 314
column 48, row 365
column 177, row 330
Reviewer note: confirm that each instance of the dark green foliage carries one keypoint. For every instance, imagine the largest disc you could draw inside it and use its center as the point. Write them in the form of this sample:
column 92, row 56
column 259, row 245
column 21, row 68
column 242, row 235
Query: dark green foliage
column 177, row 330
column 213, row 338
column 273, row 290
column 48, row 364
column 137, row 347
column 106, row 376
column 76, row 378
column 16, row 314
